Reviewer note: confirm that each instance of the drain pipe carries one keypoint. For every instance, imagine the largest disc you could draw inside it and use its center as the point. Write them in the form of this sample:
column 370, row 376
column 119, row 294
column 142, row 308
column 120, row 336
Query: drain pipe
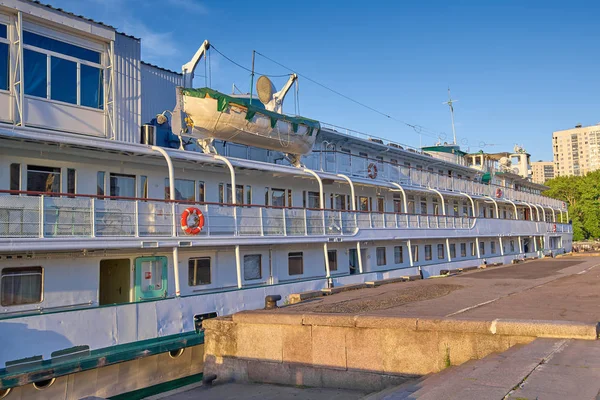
column 238, row 262
column 172, row 198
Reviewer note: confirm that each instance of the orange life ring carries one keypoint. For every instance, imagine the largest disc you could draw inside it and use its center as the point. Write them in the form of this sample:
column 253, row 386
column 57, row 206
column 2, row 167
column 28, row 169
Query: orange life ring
column 197, row 221
column 498, row 193
column 372, row 171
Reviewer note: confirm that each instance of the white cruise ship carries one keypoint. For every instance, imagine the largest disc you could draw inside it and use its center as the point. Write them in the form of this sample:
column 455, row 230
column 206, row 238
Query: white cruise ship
column 132, row 207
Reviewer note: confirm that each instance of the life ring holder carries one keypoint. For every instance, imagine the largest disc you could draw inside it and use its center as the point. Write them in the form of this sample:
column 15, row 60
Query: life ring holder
column 498, row 193
column 198, row 221
column 372, row 170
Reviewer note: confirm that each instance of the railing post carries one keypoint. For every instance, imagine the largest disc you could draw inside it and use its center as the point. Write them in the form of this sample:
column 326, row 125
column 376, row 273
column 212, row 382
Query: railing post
column 137, row 219
column 41, row 216
column 370, row 219
column 305, row 224
column 284, row 223
column 93, row 216
column 174, row 221
column 341, row 223
column 262, row 229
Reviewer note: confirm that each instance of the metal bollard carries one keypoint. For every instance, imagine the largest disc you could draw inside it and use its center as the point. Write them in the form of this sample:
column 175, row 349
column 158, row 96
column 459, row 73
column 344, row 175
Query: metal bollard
column 271, row 301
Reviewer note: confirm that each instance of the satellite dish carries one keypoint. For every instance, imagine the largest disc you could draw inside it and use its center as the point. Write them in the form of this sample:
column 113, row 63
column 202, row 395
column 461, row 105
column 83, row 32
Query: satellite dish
column 515, row 171
column 265, row 89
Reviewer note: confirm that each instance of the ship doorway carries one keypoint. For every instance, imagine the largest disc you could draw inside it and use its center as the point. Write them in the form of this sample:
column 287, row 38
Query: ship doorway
column 115, row 281
column 353, row 259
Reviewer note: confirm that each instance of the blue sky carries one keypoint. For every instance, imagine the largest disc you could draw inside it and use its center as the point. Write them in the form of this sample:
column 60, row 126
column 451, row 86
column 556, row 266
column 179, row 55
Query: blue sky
column 519, row 69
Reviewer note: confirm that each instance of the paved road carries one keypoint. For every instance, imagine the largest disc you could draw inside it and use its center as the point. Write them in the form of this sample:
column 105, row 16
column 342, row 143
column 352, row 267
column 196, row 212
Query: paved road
column 550, row 289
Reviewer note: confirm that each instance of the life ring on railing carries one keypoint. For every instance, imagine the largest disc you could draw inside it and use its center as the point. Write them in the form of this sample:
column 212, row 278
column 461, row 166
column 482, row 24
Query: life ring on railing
column 197, row 223
column 372, row 171
column 498, row 193
column 554, row 228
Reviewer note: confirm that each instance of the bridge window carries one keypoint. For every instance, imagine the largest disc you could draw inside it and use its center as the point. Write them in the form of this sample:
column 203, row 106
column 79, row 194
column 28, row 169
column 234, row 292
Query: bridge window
column 43, row 179
column 4, row 58
column 21, row 286
column 76, row 74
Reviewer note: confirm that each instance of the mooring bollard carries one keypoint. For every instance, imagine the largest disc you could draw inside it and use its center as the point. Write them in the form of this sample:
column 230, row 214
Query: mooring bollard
column 271, row 301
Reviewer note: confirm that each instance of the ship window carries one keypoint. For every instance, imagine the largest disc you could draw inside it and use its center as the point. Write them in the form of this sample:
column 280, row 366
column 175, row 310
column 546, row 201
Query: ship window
column 398, row 256
column 70, row 180
column 463, row 249
column 380, row 252
column 289, row 197
column 313, row 199
column 252, row 267
column 481, row 248
column 43, row 179
column 101, row 183
column 21, row 286
column 143, row 187
column 512, row 245
column 278, row 197
column 35, row 71
column 427, row 252
column 295, row 263
column 57, row 46
column 199, row 271
column 63, row 86
column 415, row 251
column 332, row 257
column 266, row 196
column 4, row 59
column 452, row 250
column 363, row 203
column 248, row 194
column 493, row 247
column 184, row 190
column 440, row 248
column 201, row 195
column 92, row 87
column 472, row 248
column 122, row 185
column 15, row 176
column 423, row 206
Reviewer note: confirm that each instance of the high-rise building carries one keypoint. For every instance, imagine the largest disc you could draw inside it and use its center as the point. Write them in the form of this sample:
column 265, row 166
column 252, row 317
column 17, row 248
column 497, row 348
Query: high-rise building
column 541, row 171
column 576, row 150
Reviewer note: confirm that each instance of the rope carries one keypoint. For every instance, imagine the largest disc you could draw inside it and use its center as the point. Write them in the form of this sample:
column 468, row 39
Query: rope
column 244, row 68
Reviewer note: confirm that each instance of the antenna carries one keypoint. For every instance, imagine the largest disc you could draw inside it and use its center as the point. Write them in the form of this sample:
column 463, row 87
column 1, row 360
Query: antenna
column 450, row 102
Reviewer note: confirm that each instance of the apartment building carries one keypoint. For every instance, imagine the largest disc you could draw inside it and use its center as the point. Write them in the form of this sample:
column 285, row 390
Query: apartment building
column 541, row 171
column 576, row 150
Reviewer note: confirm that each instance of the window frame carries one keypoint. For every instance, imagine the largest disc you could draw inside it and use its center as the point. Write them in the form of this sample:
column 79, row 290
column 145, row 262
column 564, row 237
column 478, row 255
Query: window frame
column 31, row 168
column 210, row 268
column 259, row 266
column 440, row 251
column 428, row 252
column 296, row 254
column 10, row 269
column 381, row 251
column 333, row 262
column 398, row 255
column 6, row 41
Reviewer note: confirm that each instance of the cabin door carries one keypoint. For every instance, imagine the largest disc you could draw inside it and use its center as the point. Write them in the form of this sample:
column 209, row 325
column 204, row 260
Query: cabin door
column 114, row 281
column 150, row 278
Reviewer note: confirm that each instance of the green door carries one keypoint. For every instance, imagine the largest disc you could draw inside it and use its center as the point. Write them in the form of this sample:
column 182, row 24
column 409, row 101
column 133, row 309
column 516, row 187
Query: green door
column 150, row 278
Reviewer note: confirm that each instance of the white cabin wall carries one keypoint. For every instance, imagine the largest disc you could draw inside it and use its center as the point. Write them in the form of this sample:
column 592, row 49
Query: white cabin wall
column 158, row 90
column 128, row 88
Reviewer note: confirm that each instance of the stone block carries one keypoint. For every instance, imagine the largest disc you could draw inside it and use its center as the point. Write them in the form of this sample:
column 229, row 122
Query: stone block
column 220, row 337
column 297, row 344
column 269, row 372
column 295, row 298
column 454, row 325
column 307, row 375
column 329, row 319
column 329, row 346
column 380, row 322
column 259, row 341
column 548, row 329
column 363, row 350
column 455, row 348
column 407, row 352
column 268, row 317
column 226, row 368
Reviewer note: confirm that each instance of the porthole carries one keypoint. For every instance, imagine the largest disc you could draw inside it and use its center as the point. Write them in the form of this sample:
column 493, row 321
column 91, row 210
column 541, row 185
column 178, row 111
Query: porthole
column 176, row 353
column 4, row 392
column 44, row 384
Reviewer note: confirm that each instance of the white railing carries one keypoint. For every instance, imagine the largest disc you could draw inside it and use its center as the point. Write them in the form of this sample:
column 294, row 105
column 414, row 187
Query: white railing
column 358, row 166
column 45, row 216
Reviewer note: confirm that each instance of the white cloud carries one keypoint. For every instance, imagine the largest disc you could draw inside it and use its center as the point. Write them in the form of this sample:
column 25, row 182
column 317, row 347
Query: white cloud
column 189, row 6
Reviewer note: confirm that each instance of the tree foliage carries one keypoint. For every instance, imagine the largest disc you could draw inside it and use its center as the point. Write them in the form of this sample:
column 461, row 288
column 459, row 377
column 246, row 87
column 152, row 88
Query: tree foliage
column 582, row 193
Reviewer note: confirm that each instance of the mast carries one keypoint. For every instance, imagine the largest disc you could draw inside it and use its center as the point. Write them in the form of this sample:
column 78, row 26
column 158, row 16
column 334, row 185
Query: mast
column 450, row 102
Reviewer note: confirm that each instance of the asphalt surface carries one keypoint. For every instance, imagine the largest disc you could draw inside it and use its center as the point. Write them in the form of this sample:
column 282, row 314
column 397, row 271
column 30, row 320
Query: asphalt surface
column 550, row 289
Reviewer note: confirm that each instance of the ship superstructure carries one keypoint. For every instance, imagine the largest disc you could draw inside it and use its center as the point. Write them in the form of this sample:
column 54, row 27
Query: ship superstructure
column 118, row 235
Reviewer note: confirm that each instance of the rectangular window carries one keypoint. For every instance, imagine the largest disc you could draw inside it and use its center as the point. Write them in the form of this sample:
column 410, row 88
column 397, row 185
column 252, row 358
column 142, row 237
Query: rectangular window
column 64, row 80
column 332, row 257
column 70, row 180
column 398, row 257
column 143, row 186
column 380, row 252
column 252, row 267
column 481, row 248
column 201, row 195
column 122, row 185
column 21, row 286
column 43, row 179
column 313, row 199
column 463, row 249
column 493, row 247
column 248, row 194
column 199, row 271
column 295, row 263
column 415, row 251
column 35, row 70
column 4, row 64
column 423, row 207
column 380, row 204
column 289, row 197
column 15, row 176
column 278, row 197
column 363, row 203
column 92, row 87
column 57, row 46
column 266, row 196
column 440, row 248
column 512, row 246
column 100, row 183
column 472, row 249
column 452, row 250
column 184, row 189
column 427, row 252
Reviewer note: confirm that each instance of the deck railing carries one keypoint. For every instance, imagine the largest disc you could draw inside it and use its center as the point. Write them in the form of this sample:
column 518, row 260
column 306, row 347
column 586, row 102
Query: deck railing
column 67, row 215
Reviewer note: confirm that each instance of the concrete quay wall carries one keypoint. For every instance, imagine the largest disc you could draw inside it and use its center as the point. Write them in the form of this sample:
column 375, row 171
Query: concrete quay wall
column 359, row 351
